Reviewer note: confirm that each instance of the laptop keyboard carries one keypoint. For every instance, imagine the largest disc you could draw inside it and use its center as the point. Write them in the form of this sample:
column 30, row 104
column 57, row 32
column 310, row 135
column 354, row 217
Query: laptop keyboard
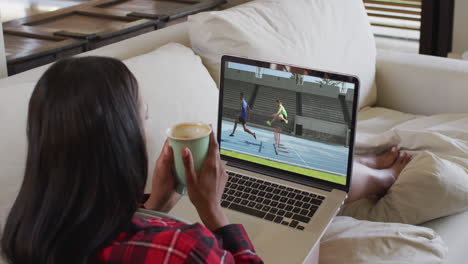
column 270, row 201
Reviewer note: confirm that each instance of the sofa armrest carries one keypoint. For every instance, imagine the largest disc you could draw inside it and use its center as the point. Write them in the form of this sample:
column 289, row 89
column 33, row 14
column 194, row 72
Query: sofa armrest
column 3, row 65
column 420, row 84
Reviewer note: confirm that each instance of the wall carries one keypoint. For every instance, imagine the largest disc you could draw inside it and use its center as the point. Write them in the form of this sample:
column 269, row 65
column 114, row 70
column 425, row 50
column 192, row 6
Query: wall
column 322, row 126
column 3, row 68
column 460, row 28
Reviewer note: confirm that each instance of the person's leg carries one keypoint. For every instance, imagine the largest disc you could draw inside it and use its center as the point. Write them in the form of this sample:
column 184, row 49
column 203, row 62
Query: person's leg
column 281, row 117
column 249, row 131
column 274, row 119
column 234, row 129
column 367, row 181
column 382, row 161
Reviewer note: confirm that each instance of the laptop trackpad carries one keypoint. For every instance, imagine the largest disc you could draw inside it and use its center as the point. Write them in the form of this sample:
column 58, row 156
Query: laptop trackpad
column 251, row 224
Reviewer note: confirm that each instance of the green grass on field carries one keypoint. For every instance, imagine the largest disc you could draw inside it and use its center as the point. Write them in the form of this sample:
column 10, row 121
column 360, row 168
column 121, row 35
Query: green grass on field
column 312, row 173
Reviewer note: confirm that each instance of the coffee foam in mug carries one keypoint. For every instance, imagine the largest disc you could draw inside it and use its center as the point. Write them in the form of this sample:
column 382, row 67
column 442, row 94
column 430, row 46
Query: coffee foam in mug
column 189, row 131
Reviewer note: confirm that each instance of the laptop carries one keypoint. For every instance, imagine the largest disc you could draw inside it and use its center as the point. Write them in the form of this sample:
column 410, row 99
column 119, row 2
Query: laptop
column 286, row 135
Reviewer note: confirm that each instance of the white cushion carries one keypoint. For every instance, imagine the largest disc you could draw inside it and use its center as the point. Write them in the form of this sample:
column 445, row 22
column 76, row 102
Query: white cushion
column 14, row 101
column 330, row 35
column 352, row 241
column 177, row 88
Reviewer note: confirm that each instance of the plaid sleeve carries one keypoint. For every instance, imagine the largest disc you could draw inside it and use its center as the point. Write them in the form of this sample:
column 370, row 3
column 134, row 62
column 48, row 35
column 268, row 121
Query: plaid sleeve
column 159, row 240
column 229, row 245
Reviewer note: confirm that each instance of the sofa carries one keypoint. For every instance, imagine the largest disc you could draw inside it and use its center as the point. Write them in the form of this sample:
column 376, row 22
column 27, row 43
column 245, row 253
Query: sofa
column 3, row 67
column 407, row 87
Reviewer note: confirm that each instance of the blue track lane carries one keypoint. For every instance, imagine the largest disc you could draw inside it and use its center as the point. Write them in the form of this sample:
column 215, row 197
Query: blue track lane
column 295, row 151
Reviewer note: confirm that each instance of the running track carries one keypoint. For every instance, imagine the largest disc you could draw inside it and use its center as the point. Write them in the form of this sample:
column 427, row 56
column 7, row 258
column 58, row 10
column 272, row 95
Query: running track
column 296, row 151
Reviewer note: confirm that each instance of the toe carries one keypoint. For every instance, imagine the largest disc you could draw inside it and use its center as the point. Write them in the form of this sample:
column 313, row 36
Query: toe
column 406, row 158
column 401, row 158
column 393, row 153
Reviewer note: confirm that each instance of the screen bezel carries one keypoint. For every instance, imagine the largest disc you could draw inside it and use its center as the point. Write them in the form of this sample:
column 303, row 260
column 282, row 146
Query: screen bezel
column 279, row 173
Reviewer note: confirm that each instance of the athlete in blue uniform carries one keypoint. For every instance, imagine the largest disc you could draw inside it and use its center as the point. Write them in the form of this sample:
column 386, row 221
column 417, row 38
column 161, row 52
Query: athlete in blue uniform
column 243, row 116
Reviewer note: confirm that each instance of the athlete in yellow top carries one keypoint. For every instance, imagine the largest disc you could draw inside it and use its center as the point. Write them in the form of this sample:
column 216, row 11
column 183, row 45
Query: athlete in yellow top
column 281, row 115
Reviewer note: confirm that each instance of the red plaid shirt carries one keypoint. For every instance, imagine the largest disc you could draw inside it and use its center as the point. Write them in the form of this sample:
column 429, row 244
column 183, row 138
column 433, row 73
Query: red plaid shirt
column 160, row 240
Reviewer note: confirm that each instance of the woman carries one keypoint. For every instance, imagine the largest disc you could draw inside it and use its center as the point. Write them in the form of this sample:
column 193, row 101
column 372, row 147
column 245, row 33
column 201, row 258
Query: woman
column 281, row 114
column 85, row 175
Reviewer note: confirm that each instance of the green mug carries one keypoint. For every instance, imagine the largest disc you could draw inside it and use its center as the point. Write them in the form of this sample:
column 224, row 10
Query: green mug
column 194, row 136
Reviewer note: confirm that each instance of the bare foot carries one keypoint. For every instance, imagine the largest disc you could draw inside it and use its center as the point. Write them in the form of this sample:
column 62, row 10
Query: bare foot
column 400, row 163
column 387, row 177
column 369, row 182
column 382, row 161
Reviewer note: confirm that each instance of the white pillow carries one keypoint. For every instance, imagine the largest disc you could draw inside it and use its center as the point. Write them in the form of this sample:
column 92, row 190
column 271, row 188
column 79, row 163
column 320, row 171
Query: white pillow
column 331, row 35
column 14, row 101
column 177, row 88
column 352, row 241
column 429, row 187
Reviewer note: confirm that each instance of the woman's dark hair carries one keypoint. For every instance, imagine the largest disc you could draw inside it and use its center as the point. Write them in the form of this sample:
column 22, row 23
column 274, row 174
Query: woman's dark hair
column 278, row 101
column 86, row 166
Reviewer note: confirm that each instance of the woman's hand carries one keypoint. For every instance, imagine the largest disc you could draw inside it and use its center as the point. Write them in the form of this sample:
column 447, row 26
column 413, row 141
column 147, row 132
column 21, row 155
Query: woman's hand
column 206, row 187
column 163, row 196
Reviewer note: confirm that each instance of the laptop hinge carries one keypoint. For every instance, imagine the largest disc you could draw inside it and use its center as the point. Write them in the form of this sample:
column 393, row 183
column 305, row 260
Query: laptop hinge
column 282, row 176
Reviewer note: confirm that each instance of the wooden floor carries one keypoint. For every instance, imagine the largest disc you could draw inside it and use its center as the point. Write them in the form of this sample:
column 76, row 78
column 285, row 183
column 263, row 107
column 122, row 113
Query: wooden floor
column 39, row 34
column 13, row 9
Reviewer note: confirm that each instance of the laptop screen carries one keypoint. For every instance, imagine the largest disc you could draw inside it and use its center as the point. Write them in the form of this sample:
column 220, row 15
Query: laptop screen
column 288, row 118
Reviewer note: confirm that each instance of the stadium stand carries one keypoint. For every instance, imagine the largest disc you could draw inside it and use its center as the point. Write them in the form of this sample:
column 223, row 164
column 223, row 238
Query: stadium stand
column 264, row 105
column 323, row 108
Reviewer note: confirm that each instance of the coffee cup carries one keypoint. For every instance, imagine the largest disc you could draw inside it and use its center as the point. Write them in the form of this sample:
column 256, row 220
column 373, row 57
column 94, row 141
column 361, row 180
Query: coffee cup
column 194, row 136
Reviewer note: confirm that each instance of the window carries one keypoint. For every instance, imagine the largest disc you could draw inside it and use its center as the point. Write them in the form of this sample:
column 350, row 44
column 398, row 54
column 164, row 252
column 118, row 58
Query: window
column 399, row 19
column 423, row 25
